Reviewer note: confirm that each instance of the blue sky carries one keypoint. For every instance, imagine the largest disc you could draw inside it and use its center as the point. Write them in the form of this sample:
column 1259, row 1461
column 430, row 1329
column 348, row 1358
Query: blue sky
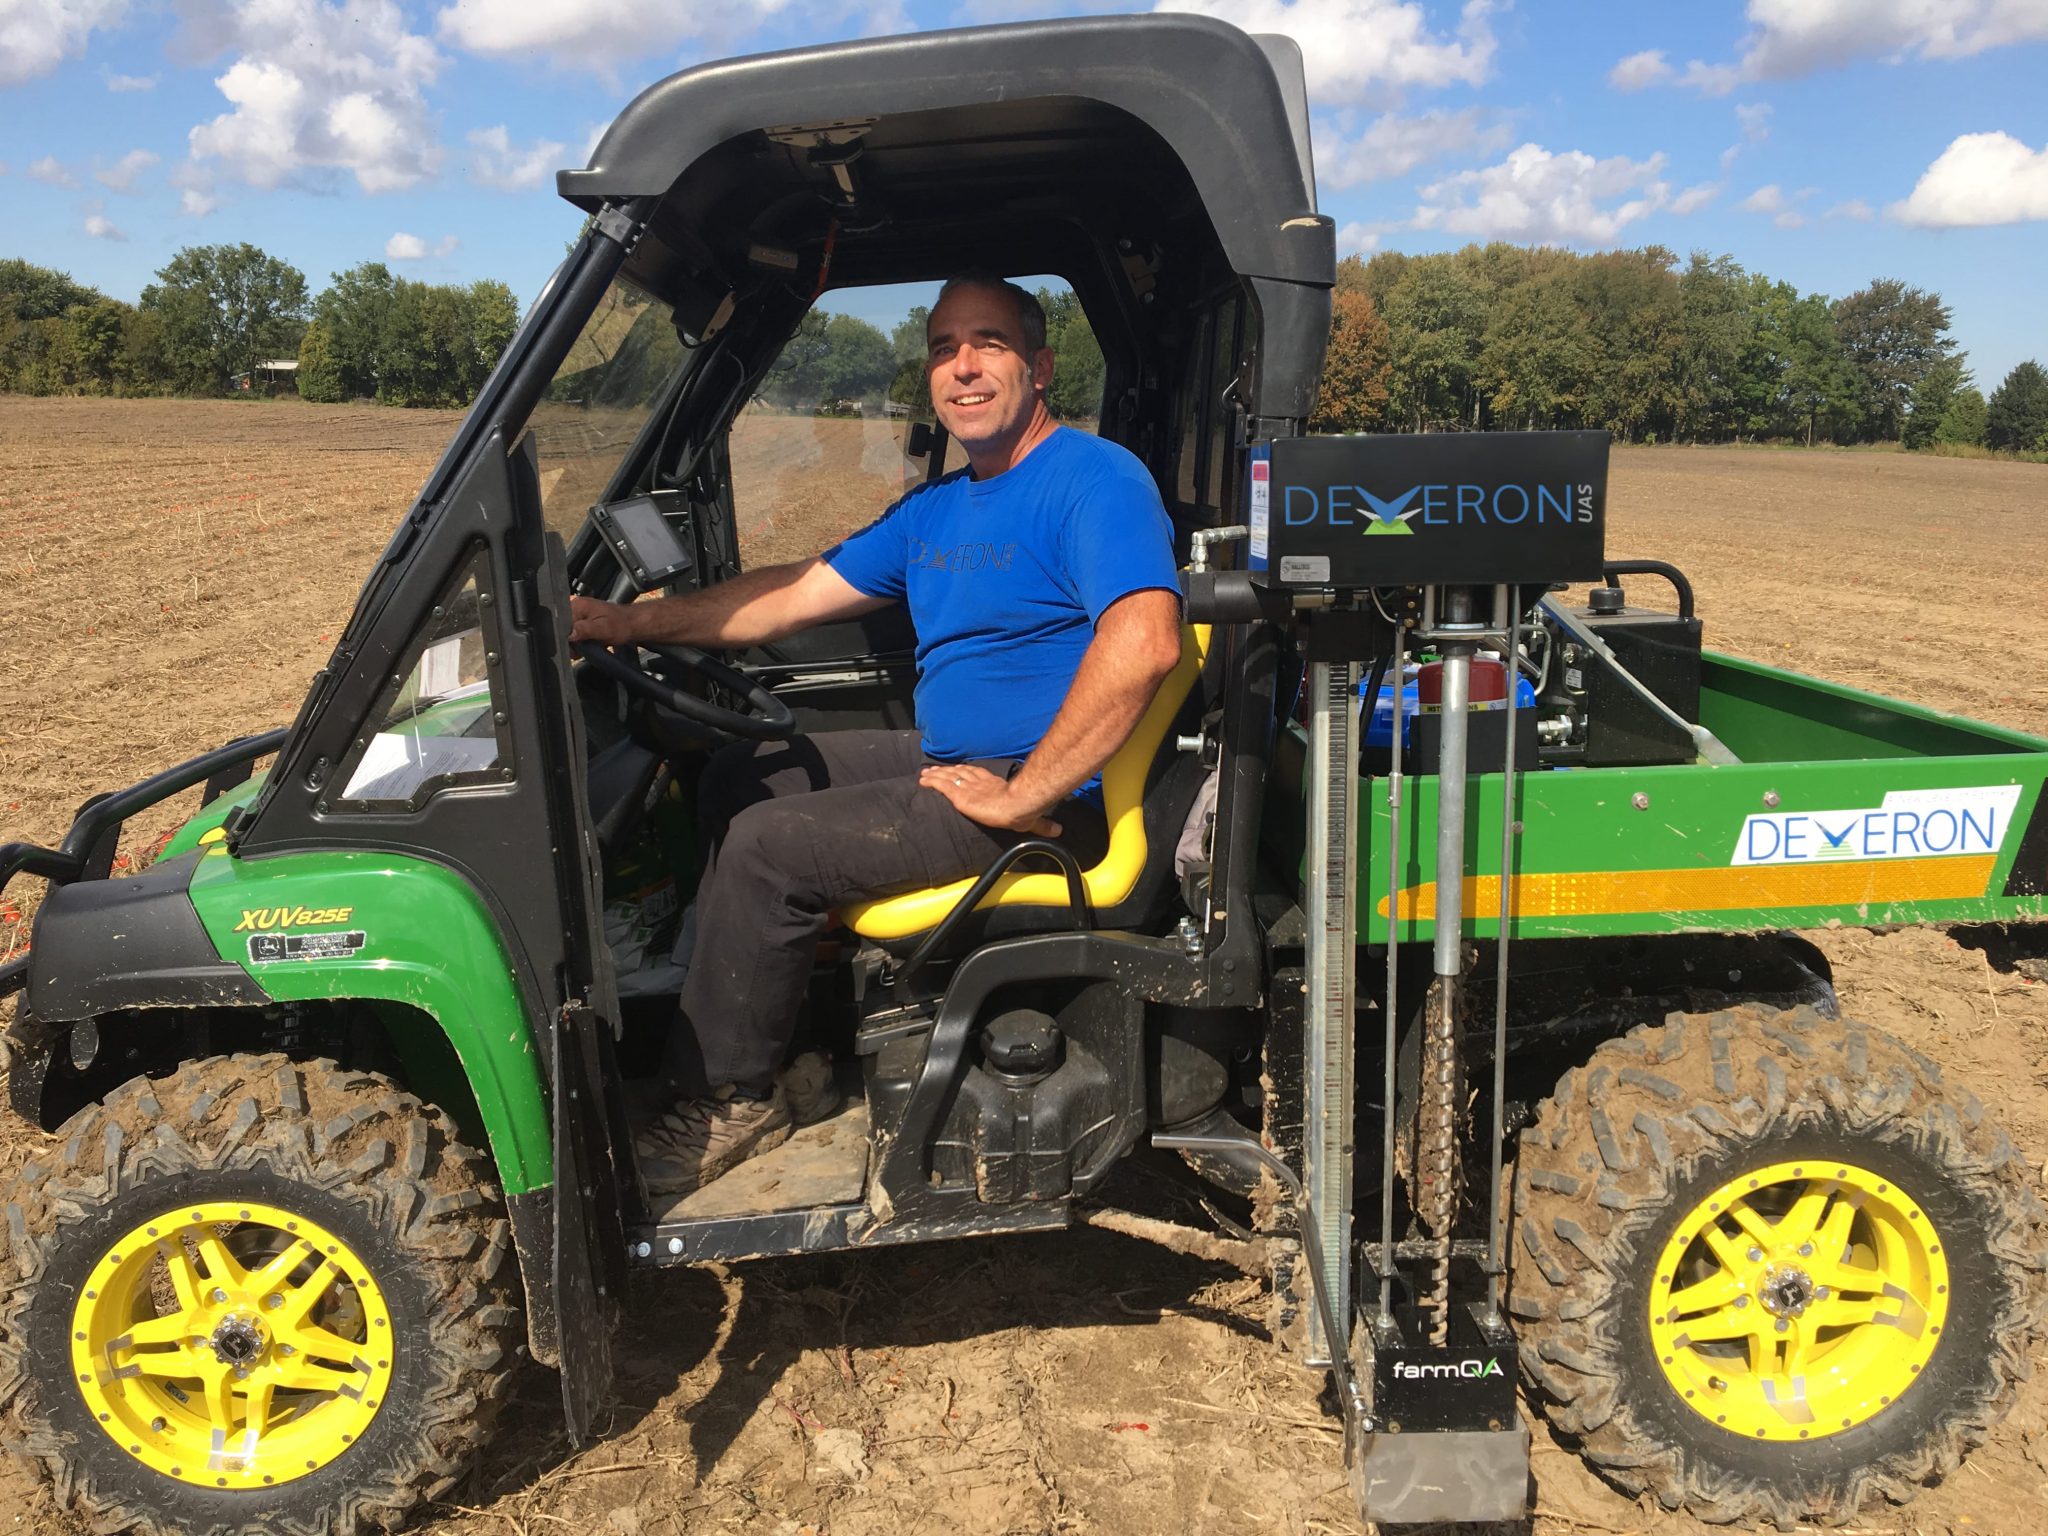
column 1825, row 142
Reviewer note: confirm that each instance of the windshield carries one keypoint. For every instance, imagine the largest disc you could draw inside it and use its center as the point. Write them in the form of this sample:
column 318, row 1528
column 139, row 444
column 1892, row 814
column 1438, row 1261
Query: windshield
column 600, row 399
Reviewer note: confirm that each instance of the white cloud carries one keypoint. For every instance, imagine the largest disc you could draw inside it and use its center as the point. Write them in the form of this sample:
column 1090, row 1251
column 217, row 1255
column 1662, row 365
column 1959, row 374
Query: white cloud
column 122, row 173
column 405, row 247
column 597, row 35
column 1728, row 155
column 38, row 35
column 1640, row 70
column 318, row 85
column 1356, row 239
column 196, row 195
column 1981, row 178
column 131, row 82
column 5, row 167
column 495, row 161
column 1547, row 199
column 50, row 171
column 1755, row 118
column 1394, row 145
column 1710, row 79
column 98, row 225
column 1797, row 37
column 1349, row 45
column 1771, row 199
column 1854, row 208
column 1693, row 199
column 1789, row 38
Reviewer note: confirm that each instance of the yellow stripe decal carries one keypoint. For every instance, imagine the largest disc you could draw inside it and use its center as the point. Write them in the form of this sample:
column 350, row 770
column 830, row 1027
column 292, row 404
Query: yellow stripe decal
column 1604, row 893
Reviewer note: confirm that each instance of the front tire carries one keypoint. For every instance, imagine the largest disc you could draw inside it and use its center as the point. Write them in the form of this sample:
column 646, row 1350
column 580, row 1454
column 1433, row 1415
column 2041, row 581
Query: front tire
column 1772, row 1266
column 256, row 1296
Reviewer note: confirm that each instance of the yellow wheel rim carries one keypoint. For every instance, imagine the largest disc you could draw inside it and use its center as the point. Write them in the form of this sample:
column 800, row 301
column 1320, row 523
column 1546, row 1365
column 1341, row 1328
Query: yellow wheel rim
column 1798, row 1300
column 228, row 1344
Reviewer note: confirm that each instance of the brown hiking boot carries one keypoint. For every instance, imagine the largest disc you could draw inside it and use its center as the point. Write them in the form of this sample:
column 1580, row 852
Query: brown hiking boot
column 697, row 1140
column 811, row 1088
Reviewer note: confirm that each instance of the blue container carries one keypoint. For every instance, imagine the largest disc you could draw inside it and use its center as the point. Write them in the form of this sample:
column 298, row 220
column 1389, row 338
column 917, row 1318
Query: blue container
column 1379, row 729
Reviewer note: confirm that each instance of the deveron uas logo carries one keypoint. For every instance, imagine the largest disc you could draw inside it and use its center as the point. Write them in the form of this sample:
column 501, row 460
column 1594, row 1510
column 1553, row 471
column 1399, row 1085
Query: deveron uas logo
column 1434, row 504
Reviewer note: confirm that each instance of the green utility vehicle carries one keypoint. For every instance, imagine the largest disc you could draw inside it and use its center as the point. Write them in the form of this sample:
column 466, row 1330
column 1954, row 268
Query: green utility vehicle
column 1417, row 876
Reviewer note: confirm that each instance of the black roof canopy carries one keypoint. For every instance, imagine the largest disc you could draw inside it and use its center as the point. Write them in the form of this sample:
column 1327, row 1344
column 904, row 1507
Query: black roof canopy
column 1228, row 107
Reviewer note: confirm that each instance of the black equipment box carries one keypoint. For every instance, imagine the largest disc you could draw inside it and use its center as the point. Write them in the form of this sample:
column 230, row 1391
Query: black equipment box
column 1467, row 1384
column 1430, row 509
column 1662, row 652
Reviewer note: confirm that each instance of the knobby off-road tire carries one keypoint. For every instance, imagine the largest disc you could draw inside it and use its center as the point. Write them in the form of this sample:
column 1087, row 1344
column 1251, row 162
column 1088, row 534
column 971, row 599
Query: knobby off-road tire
column 401, row 1241
column 1692, row 1125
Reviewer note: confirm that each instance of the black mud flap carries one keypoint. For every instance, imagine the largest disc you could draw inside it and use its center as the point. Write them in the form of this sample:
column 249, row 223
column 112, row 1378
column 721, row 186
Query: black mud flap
column 587, row 1227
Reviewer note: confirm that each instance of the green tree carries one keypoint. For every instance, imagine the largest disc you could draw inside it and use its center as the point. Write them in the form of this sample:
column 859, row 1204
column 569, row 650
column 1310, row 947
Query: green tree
column 226, row 308
column 41, row 293
column 798, row 378
column 1377, row 275
column 319, row 377
column 1077, row 367
column 1932, row 397
column 1892, row 335
column 492, row 313
column 1353, row 394
column 912, row 348
column 1823, row 389
column 353, row 308
column 859, row 362
column 1632, row 308
column 92, row 344
column 1715, row 325
column 424, row 357
column 1537, row 367
column 143, row 368
column 1964, row 420
column 2017, row 415
column 1435, row 315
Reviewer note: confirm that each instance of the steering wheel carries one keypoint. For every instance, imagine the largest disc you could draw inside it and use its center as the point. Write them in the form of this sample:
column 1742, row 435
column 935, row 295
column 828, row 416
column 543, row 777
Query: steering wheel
column 766, row 717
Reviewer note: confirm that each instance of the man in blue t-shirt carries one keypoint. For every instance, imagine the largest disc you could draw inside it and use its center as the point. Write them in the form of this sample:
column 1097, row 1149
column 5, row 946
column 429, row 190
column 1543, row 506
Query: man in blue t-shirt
column 1042, row 584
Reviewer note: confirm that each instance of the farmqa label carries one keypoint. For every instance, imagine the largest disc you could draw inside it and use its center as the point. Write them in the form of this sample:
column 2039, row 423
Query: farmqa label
column 1909, row 824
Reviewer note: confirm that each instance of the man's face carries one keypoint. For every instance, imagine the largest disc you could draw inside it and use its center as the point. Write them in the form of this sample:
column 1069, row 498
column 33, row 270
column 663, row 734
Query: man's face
column 985, row 386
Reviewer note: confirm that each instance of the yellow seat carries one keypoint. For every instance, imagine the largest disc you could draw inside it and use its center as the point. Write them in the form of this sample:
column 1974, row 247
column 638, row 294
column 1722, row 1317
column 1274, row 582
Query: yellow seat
column 1123, row 803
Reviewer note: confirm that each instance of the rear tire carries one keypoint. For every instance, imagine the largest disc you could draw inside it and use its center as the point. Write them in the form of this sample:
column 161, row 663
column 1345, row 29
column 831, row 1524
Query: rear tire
column 1682, row 1204
column 253, row 1223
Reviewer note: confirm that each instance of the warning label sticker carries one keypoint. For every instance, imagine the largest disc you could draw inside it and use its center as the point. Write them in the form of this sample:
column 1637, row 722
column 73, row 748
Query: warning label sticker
column 267, row 947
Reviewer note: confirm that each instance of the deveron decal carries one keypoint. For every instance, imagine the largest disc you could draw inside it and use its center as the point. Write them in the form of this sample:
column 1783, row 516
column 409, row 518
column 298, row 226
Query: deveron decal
column 1907, row 824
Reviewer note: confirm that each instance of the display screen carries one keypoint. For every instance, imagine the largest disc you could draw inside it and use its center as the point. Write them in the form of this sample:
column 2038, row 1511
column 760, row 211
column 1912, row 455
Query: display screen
column 643, row 535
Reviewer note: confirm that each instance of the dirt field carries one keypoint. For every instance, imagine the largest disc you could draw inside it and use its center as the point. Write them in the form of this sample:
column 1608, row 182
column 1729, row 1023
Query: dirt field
column 172, row 573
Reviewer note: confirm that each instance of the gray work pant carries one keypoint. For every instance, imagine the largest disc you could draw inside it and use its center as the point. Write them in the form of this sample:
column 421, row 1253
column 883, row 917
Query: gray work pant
column 793, row 830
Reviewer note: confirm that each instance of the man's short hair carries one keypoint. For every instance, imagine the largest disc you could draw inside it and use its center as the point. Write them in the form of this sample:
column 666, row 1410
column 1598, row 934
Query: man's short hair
column 1030, row 313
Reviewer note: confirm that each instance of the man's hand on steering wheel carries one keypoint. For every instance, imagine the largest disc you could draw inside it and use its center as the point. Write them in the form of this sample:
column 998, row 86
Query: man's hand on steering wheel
column 599, row 623
column 595, row 627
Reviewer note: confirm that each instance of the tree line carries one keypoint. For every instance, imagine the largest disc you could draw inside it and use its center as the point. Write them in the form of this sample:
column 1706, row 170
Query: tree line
column 1510, row 337
column 217, row 313
column 1491, row 336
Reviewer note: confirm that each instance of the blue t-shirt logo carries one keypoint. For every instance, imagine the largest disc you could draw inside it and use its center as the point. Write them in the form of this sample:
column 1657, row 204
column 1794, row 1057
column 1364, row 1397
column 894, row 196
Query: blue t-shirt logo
column 1006, row 578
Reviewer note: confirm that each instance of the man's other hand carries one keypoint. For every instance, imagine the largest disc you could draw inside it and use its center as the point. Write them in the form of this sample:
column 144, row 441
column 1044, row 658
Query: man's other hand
column 597, row 623
column 981, row 797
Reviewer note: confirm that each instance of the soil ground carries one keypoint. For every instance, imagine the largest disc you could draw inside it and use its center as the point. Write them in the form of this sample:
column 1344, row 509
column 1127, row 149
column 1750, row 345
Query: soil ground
column 171, row 574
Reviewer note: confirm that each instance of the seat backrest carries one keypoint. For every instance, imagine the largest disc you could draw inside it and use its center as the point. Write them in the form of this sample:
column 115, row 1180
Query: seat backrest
column 1114, row 875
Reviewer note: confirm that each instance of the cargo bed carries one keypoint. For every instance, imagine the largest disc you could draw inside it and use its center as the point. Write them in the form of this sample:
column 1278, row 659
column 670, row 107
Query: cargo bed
column 1846, row 807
